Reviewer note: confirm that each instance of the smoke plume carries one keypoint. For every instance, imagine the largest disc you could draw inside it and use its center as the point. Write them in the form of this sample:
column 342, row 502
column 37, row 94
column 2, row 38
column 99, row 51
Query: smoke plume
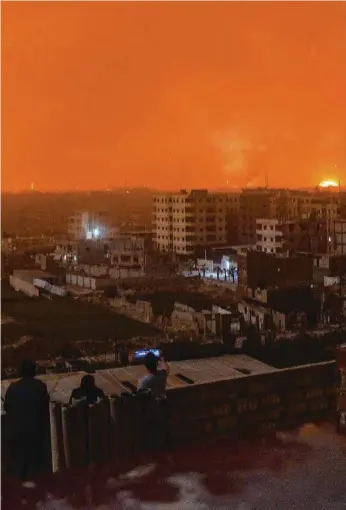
column 244, row 161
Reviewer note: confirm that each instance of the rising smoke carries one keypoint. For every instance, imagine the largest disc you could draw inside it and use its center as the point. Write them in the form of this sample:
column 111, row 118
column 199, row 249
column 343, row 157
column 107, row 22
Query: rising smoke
column 244, row 161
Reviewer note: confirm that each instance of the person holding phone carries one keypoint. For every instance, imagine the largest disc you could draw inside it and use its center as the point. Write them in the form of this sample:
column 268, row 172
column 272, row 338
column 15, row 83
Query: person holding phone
column 156, row 379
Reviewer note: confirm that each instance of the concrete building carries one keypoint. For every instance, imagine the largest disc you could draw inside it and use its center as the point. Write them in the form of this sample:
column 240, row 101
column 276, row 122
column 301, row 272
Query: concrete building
column 270, row 236
column 7, row 245
column 24, row 244
column 241, row 258
column 253, row 204
column 327, row 265
column 274, row 270
column 320, row 205
column 93, row 252
column 283, row 205
column 26, row 280
column 66, row 252
column 186, row 221
column 90, row 225
column 89, row 282
column 29, row 275
column 275, row 236
column 128, row 257
column 280, row 309
column 255, row 313
column 338, row 236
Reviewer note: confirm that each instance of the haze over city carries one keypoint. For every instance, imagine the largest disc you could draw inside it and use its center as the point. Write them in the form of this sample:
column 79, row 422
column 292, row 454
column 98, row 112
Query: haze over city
column 172, row 95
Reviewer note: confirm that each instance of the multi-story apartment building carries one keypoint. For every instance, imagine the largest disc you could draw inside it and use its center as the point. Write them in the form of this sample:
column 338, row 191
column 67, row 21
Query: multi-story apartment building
column 253, row 204
column 283, row 205
column 273, row 270
column 128, row 252
column 338, row 237
column 270, row 236
column 186, row 221
column 274, row 236
column 90, row 225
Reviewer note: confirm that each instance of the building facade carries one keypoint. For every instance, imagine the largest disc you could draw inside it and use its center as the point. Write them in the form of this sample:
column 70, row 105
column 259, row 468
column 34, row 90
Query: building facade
column 90, row 226
column 128, row 253
column 284, row 205
column 338, row 236
column 274, row 236
column 186, row 221
column 273, row 270
column 270, row 236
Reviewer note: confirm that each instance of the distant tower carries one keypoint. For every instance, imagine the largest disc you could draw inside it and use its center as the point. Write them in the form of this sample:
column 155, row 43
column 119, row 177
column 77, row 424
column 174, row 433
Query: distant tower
column 266, row 179
column 32, row 187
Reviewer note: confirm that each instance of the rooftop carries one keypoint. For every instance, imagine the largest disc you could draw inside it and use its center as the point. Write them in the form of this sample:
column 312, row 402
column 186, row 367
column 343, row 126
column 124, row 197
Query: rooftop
column 32, row 273
column 183, row 373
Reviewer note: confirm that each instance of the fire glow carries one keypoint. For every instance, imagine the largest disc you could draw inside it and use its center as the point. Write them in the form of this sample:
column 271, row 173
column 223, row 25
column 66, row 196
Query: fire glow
column 328, row 184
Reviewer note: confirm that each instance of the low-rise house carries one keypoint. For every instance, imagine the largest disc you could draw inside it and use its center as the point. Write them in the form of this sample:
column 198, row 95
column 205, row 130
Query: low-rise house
column 281, row 309
column 328, row 265
column 255, row 313
column 128, row 257
column 89, row 282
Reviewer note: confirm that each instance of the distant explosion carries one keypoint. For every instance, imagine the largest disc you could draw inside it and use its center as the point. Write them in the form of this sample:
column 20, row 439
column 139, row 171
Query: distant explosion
column 244, row 160
column 328, row 184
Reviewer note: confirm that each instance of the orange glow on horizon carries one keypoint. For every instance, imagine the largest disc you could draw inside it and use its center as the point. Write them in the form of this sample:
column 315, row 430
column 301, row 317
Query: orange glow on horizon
column 172, row 95
column 328, row 184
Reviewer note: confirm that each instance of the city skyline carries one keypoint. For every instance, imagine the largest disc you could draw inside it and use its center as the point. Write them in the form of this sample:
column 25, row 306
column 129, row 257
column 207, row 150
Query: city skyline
column 172, row 95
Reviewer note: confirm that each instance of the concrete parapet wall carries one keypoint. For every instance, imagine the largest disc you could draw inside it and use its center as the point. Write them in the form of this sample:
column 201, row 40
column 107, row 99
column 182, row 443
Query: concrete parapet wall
column 121, row 426
column 278, row 400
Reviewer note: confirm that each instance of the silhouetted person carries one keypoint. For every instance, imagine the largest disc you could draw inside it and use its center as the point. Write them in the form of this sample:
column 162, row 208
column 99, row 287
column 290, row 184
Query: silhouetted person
column 27, row 407
column 87, row 390
column 156, row 379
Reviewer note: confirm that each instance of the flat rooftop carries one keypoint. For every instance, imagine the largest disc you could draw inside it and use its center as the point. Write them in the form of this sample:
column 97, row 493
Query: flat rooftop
column 33, row 273
column 183, row 373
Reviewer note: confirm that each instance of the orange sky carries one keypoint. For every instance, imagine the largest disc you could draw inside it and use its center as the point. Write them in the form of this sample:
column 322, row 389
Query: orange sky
column 168, row 95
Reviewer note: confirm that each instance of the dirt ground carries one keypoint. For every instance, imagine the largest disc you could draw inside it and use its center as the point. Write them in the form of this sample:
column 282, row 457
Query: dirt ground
column 44, row 328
